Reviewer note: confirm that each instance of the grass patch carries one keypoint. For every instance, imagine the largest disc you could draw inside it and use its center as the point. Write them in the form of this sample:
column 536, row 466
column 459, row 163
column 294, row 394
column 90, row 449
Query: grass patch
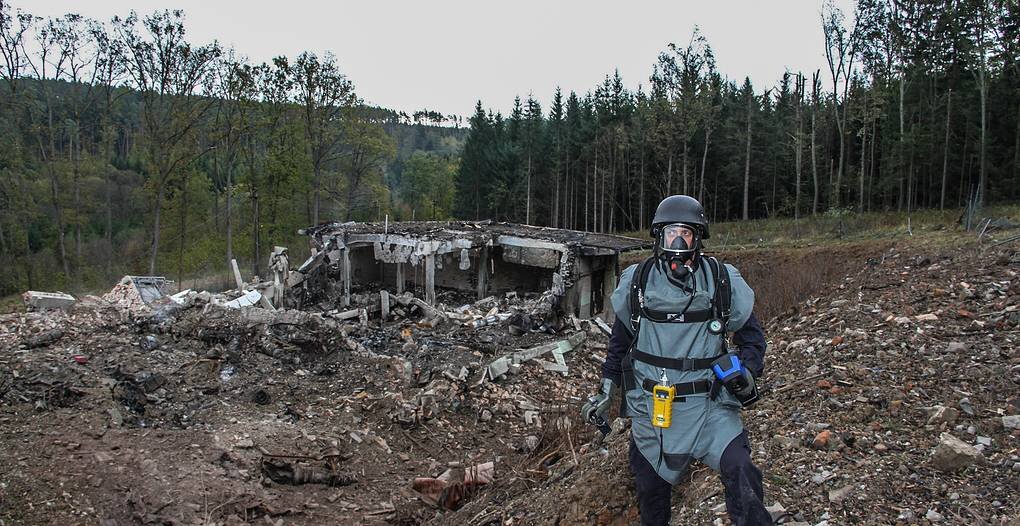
column 839, row 227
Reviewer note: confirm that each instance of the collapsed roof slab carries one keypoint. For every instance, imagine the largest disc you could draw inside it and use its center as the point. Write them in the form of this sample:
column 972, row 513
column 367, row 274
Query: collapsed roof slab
column 485, row 255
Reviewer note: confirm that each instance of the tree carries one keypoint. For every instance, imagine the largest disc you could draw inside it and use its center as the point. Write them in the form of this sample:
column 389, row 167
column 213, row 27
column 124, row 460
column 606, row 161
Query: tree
column 325, row 96
column 167, row 71
column 428, row 186
column 841, row 48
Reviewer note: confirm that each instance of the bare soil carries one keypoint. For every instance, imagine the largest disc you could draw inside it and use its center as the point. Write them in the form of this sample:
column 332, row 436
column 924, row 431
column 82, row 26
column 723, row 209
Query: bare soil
column 186, row 415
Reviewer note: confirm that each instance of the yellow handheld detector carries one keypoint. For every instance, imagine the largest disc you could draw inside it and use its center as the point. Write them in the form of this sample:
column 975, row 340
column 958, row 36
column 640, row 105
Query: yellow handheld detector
column 662, row 405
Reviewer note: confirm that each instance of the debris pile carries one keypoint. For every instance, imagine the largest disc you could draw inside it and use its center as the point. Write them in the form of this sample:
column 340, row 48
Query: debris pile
column 891, row 398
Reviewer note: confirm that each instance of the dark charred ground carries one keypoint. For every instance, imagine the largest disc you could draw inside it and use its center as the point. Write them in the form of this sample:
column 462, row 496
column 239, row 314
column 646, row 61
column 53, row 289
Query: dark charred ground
column 171, row 415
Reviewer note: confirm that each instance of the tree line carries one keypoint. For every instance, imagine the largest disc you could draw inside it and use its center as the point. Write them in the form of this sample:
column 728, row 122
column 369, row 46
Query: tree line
column 127, row 148
column 919, row 106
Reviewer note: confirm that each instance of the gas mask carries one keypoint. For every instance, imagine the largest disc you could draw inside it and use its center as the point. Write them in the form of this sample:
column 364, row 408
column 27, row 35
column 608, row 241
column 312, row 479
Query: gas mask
column 678, row 246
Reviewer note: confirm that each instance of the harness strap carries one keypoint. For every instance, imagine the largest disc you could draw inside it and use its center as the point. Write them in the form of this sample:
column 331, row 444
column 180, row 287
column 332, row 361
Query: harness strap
column 637, row 285
column 684, row 389
column 676, row 364
column 697, row 316
column 721, row 301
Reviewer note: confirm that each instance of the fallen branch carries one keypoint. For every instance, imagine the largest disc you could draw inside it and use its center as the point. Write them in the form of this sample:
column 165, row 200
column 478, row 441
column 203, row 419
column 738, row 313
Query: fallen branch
column 795, row 383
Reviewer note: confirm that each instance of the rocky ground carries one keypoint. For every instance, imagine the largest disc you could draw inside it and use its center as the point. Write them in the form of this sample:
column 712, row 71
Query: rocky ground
column 890, row 397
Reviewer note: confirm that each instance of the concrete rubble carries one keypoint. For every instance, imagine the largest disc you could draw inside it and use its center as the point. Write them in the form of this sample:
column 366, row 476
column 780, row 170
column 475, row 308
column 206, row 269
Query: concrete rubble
column 39, row 301
column 341, row 390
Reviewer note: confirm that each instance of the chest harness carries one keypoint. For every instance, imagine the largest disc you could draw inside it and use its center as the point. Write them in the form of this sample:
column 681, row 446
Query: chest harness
column 717, row 316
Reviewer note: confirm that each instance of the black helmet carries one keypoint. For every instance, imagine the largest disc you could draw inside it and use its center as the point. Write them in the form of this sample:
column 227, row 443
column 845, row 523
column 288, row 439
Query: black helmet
column 680, row 209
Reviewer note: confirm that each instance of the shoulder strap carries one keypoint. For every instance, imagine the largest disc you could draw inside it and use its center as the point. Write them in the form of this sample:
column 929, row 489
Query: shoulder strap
column 637, row 288
column 723, row 290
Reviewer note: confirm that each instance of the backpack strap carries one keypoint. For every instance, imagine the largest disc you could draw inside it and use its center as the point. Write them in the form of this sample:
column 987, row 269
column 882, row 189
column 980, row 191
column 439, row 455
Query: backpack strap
column 723, row 290
column 637, row 290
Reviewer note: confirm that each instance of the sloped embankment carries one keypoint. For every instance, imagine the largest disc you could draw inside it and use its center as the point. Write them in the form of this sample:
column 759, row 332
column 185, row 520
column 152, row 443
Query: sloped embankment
column 891, row 398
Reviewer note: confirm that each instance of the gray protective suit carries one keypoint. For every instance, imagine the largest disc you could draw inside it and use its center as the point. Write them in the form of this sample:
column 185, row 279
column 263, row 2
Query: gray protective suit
column 701, row 428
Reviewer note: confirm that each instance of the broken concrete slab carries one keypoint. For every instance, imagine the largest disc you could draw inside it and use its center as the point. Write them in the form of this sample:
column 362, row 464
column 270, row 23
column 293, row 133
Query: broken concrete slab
column 603, row 326
column 36, row 300
column 502, row 365
column 249, row 299
column 563, row 346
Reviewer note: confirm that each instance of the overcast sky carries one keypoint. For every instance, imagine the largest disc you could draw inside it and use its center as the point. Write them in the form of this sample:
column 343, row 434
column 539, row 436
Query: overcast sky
column 445, row 55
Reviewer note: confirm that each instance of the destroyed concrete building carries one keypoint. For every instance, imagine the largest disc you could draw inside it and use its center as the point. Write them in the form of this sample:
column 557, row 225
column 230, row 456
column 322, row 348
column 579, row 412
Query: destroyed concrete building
column 577, row 270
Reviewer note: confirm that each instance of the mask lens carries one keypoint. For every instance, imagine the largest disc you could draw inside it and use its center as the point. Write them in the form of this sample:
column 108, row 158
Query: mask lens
column 677, row 237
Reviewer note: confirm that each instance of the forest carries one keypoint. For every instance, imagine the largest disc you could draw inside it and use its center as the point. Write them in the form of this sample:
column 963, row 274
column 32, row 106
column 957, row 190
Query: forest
column 918, row 108
column 127, row 148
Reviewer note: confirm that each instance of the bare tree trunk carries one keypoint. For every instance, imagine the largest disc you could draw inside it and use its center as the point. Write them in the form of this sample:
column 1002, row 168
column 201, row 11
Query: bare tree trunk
column 641, row 195
column 75, row 151
column 54, row 196
column 814, row 164
column 669, row 176
column 864, row 143
column 798, row 154
column 704, row 159
column 841, row 129
column 945, row 150
column 109, row 207
column 230, row 218
column 586, row 185
column 902, row 145
column 527, row 206
column 964, row 160
column 184, row 234
column 747, row 162
column 686, row 147
column 1016, row 154
column 555, row 223
column 256, row 233
column 983, row 87
column 155, row 228
column 315, row 196
column 871, row 163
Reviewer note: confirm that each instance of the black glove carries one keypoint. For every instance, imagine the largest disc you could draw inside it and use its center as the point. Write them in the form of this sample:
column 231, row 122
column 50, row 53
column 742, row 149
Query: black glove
column 737, row 379
column 595, row 409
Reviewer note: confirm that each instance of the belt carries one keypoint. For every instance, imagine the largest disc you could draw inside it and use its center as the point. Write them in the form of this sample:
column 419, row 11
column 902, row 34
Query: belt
column 684, row 389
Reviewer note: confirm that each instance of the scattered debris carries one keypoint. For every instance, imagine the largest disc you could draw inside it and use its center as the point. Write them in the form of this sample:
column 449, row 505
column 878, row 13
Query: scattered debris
column 185, row 396
column 455, row 485
column 290, row 471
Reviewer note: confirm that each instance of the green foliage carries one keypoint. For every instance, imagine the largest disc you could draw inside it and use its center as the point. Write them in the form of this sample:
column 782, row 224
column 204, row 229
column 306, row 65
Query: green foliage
column 124, row 159
column 921, row 109
column 427, row 188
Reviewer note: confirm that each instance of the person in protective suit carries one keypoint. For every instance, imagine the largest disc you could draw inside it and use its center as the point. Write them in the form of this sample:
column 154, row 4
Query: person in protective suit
column 682, row 385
